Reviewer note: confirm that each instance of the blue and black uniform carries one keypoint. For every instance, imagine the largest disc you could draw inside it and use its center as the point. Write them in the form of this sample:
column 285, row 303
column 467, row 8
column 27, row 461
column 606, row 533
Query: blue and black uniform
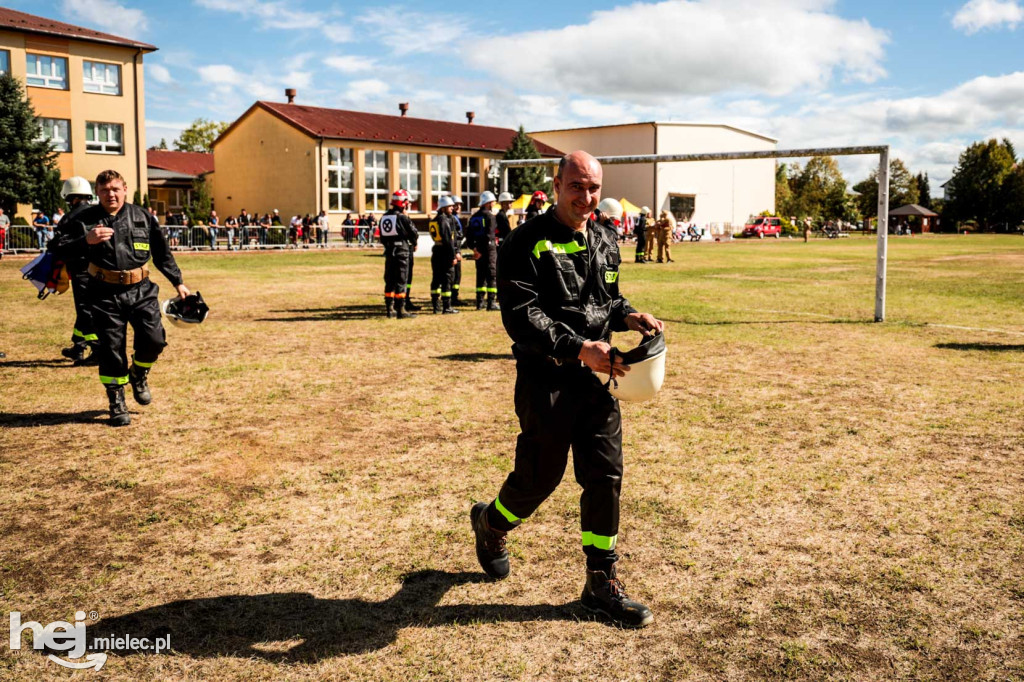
column 83, row 336
column 396, row 234
column 483, row 234
column 558, row 288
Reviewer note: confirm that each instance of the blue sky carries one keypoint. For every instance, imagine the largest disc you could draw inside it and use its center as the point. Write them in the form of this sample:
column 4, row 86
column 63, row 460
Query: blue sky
column 927, row 78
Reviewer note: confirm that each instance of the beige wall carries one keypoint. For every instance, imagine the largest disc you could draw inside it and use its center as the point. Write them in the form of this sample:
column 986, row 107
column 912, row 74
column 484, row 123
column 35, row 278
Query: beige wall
column 265, row 163
column 725, row 192
column 78, row 106
column 635, row 181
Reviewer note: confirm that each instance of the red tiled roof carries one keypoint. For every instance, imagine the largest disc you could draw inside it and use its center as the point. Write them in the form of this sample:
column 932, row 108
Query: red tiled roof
column 188, row 163
column 357, row 125
column 13, row 20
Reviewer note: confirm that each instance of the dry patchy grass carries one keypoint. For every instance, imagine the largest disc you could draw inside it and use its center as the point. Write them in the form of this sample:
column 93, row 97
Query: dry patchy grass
column 813, row 496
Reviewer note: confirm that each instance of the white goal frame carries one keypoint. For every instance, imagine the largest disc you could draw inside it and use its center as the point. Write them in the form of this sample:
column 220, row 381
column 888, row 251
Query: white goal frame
column 499, row 168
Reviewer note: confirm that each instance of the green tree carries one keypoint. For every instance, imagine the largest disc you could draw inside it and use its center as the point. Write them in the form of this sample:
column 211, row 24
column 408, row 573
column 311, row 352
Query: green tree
column 975, row 192
column 784, row 202
column 820, row 190
column 162, row 146
column 25, row 159
column 903, row 189
column 525, row 180
column 199, row 136
column 201, row 203
column 49, row 199
column 924, row 190
column 1012, row 192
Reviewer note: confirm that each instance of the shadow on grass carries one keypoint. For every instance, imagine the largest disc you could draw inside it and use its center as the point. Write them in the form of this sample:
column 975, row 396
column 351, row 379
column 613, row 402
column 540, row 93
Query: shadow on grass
column 722, row 323
column 474, row 357
column 14, row 420
column 248, row 625
column 995, row 347
column 35, row 363
column 339, row 313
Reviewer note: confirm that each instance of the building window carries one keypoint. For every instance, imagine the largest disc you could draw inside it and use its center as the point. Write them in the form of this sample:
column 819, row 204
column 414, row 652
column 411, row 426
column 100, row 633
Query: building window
column 409, row 178
column 104, row 138
column 340, row 175
column 57, row 131
column 102, row 78
column 440, row 178
column 682, row 206
column 44, row 71
column 5, row 62
column 376, row 172
column 470, row 176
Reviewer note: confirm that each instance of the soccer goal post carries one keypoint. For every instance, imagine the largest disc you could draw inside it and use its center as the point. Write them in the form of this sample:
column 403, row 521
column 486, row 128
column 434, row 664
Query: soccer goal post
column 499, row 169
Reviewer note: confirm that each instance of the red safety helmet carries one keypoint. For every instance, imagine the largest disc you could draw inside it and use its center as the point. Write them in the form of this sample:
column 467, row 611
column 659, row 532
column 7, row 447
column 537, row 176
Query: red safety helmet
column 540, row 195
column 400, row 198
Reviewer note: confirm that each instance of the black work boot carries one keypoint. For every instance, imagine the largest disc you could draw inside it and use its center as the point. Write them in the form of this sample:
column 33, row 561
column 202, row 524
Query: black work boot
column 479, row 300
column 490, row 543
column 118, row 408
column 409, row 305
column 605, row 594
column 389, row 307
column 435, row 303
column 75, row 353
column 137, row 376
column 90, row 360
column 448, row 309
column 400, row 306
column 491, row 303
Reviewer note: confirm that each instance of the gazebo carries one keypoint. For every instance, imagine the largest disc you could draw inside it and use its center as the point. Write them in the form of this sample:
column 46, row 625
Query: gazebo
column 915, row 210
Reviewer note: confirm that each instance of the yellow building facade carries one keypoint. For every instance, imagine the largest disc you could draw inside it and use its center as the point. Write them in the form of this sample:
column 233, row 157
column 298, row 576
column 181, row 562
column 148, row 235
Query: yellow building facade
column 88, row 92
column 303, row 160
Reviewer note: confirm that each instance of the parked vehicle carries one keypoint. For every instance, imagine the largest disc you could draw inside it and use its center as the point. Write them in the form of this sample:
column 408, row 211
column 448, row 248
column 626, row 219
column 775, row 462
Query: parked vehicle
column 762, row 227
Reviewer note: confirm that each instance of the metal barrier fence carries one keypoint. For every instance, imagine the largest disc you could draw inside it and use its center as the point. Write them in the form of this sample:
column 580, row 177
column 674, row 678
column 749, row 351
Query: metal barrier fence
column 25, row 239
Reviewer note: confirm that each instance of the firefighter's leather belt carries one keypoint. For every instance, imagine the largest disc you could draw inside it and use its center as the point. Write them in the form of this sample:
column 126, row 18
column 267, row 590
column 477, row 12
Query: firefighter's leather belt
column 118, row 276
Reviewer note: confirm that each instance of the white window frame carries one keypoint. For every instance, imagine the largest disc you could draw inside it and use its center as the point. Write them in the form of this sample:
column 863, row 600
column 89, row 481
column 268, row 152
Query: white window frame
column 346, row 194
column 437, row 178
column 470, row 180
column 410, row 179
column 373, row 174
column 103, row 84
column 97, row 146
column 5, row 62
column 58, row 135
column 48, row 79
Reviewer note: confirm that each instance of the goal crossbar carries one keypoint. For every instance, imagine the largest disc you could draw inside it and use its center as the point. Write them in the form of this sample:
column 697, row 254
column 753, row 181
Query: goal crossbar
column 499, row 168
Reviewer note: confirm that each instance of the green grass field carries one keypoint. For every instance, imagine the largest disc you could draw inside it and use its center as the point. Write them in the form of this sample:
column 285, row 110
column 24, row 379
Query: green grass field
column 812, row 495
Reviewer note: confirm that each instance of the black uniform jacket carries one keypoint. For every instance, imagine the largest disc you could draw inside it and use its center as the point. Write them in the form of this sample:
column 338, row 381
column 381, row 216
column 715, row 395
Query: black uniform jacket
column 442, row 230
column 483, row 229
column 397, row 229
column 137, row 237
column 79, row 263
column 504, row 227
column 558, row 287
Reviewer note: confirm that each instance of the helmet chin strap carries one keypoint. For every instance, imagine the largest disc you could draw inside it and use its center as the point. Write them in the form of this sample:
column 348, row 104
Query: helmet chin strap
column 611, row 370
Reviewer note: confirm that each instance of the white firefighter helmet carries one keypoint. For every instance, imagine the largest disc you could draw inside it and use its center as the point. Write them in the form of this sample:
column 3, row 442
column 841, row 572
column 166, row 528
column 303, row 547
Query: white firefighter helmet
column 445, row 202
column 646, row 371
column 76, row 185
column 457, row 199
column 610, row 208
column 487, row 198
column 505, row 196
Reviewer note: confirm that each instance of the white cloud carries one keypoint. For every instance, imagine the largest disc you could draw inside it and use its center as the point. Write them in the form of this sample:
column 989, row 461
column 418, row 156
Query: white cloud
column 657, row 50
column 979, row 14
column 408, row 32
column 220, row 74
column 159, row 73
column 107, row 15
column 349, row 63
column 370, row 87
column 279, row 15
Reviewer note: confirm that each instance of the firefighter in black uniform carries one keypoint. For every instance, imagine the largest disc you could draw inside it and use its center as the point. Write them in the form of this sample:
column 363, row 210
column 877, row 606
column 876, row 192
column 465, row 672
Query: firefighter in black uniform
column 396, row 234
column 77, row 192
column 414, row 242
column 117, row 239
column 443, row 257
column 640, row 230
column 460, row 238
column 504, row 226
column 536, row 206
column 483, row 233
column 560, row 299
